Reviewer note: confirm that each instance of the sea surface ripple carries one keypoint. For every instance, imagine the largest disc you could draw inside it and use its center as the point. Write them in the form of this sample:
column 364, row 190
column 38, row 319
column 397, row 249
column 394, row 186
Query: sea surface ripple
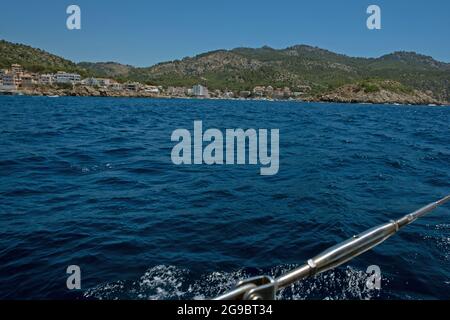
column 90, row 182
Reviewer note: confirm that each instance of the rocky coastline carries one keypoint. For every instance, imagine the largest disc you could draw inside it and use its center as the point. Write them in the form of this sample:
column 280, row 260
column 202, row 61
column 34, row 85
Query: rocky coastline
column 345, row 94
column 355, row 94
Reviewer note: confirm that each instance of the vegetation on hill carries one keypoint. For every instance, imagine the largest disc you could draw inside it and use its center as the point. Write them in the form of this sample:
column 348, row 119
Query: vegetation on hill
column 297, row 67
column 376, row 85
column 107, row 69
column 34, row 60
column 377, row 91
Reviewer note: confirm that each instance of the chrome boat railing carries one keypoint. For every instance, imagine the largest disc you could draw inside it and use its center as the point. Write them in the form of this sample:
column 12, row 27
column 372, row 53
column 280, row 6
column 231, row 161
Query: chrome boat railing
column 266, row 287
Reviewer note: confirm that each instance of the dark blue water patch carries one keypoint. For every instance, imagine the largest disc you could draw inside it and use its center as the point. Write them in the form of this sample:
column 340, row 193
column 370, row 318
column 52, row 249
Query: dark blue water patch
column 90, row 182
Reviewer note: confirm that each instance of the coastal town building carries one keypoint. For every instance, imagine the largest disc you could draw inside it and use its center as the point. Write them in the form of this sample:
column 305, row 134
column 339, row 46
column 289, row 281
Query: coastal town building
column 104, row 82
column 116, row 86
column 98, row 82
column 91, row 82
column 16, row 68
column 177, row 91
column 64, row 77
column 259, row 91
column 200, row 91
column 10, row 81
column 16, row 78
column 132, row 86
column 151, row 89
column 46, row 79
column 28, row 80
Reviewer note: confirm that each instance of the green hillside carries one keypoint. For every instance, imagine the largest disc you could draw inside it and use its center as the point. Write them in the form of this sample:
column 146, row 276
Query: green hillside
column 243, row 68
column 297, row 66
column 34, row 60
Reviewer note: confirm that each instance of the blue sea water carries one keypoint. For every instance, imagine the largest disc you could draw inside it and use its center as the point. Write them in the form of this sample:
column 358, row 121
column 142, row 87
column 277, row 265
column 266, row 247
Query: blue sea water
column 90, row 182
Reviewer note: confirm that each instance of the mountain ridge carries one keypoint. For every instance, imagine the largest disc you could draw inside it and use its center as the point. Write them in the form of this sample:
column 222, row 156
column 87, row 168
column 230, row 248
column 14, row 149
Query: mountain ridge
column 243, row 68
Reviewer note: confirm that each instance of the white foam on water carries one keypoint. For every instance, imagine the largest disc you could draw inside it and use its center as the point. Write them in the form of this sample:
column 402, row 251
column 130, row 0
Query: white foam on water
column 173, row 283
column 348, row 283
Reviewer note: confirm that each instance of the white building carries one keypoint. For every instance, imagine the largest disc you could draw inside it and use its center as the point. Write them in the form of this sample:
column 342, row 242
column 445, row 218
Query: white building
column 151, row 89
column 116, row 86
column 200, row 91
column 92, row 82
column 64, row 77
column 105, row 82
column 46, row 79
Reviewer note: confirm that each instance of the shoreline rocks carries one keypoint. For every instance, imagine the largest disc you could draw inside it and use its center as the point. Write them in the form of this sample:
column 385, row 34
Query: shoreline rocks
column 385, row 92
column 346, row 94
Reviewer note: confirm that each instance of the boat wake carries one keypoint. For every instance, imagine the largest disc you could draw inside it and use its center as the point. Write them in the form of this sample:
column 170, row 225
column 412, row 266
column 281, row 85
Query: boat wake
column 173, row 283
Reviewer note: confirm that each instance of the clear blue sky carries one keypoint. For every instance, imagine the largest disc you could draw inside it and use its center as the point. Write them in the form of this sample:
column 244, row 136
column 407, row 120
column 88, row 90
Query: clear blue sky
column 145, row 32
